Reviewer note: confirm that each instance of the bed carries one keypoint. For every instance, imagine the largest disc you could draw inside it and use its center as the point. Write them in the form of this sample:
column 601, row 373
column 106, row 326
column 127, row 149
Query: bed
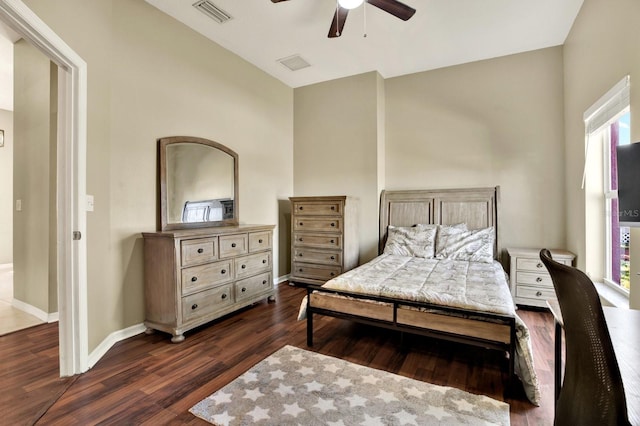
column 437, row 274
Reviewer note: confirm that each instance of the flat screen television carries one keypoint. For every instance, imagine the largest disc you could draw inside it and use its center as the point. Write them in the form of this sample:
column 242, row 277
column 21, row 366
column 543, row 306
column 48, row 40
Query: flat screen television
column 629, row 184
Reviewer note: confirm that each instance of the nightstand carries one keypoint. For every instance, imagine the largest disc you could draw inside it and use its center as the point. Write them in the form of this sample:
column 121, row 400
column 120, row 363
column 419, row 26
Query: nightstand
column 530, row 281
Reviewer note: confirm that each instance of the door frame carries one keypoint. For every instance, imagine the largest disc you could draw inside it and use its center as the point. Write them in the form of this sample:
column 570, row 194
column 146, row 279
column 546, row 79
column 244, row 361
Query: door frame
column 71, row 182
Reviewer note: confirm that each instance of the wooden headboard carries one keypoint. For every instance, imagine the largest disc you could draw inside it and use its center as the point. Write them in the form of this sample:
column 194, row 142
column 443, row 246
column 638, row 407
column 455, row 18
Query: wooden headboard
column 477, row 207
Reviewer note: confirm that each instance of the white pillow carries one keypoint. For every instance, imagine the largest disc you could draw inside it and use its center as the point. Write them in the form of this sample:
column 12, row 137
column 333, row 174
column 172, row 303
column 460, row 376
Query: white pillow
column 416, row 241
column 445, row 231
column 473, row 246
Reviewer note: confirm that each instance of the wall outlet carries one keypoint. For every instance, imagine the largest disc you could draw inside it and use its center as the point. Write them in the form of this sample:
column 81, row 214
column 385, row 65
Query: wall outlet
column 18, row 205
column 89, row 199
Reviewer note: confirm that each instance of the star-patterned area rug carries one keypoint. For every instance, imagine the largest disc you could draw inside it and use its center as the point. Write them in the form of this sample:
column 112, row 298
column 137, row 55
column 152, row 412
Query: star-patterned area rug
column 297, row 387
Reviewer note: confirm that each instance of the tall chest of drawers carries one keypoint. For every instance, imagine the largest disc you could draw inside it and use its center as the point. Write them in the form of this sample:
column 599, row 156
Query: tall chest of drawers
column 531, row 283
column 324, row 238
column 194, row 276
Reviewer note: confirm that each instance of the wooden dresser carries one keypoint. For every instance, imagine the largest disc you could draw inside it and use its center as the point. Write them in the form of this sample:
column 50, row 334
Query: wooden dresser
column 531, row 283
column 193, row 276
column 324, row 238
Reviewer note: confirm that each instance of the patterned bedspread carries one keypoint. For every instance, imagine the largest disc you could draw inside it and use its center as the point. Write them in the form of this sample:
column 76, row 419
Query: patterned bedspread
column 460, row 284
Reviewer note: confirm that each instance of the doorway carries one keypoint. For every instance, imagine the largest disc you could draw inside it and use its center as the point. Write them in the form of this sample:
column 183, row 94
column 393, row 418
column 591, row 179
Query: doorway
column 71, row 182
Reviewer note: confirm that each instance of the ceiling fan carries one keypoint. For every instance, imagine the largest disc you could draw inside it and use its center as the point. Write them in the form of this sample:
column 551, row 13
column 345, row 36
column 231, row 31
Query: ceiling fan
column 394, row 7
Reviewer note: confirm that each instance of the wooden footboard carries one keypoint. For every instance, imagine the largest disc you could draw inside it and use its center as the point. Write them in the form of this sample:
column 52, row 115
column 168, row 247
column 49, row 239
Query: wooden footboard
column 492, row 331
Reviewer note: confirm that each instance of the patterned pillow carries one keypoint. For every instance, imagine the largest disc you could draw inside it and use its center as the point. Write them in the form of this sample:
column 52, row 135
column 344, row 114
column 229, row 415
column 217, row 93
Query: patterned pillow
column 473, row 246
column 445, row 231
column 416, row 241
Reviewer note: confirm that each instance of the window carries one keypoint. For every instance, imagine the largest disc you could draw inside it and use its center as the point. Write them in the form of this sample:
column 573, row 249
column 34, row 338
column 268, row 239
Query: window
column 617, row 237
column 606, row 127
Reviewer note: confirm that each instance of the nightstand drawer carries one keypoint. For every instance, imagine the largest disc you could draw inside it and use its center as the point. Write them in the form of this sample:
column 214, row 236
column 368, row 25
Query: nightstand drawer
column 329, row 208
column 541, row 278
column 530, row 264
column 542, row 294
column 318, row 224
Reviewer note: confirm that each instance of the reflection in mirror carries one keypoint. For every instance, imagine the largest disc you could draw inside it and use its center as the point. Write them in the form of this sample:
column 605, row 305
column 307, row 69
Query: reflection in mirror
column 198, row 182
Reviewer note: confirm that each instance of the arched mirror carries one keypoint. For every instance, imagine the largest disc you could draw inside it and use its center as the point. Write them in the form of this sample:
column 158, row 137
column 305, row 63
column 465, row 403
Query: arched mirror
column 198, row 183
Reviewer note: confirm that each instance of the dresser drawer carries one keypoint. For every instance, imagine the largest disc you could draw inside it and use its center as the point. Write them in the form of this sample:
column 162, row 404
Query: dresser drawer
column 233, row 245
column 198, row 251
column 318, row 241
column 303, row 254
column 206, row 302
column 328, row 208
column 197, row 278
column 315, row 272
column 249, row 265
column 259, row 241
column 541, row 278
column 250, row 287
column 543, row 294
column 317, row 224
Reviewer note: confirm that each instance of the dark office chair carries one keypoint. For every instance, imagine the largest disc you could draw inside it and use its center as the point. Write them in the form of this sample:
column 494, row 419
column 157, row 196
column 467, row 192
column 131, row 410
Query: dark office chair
column 592, row 392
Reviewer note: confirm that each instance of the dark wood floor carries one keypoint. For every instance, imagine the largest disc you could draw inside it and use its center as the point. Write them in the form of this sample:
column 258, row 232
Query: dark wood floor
column 148, row 380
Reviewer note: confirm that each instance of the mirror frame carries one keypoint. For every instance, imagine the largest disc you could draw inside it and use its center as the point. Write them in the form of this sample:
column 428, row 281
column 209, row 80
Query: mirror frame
column 163, row 223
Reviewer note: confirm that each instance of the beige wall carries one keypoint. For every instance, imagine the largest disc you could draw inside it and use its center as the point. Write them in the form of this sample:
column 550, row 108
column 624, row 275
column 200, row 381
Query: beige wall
column 34, row 179
column 494, row 122
column 602, row 47
column 337, row 144
column 6, row 191
column 145, row 83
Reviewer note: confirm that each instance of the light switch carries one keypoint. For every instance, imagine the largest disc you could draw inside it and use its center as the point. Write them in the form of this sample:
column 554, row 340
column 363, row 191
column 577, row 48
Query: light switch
column 18, row 205
column 89, row 203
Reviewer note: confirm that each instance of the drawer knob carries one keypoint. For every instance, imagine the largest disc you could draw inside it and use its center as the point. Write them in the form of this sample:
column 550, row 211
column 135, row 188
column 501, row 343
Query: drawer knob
column 300, row 270
column 264, row 260
column 333, row 258
column 233, row 245
column 224, row 296
column 300, row 239
column 244, row 266
column 538, row 293
column 538, row 280
column 260, row 241
column 300, row 208
column 244, row 289
column 333, row 241
column 194, row 306
column 264, row 282
column 300, row 255
column 301, row 223
column 333, row 224
column 333, row 207
column 539, row 265
column 200, row 250
column 333, row 274
column 224, row 271
column 194, row 279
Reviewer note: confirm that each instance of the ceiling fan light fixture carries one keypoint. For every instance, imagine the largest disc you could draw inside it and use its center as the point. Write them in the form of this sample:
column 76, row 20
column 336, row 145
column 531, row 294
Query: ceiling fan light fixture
column 350, row 4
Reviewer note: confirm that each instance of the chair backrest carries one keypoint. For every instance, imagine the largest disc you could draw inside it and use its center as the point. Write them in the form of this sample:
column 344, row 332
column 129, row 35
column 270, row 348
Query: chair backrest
column 592, row 392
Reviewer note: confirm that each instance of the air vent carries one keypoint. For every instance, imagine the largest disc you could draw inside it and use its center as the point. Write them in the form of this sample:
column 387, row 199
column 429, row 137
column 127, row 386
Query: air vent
column 294, row 62
column 212, row 11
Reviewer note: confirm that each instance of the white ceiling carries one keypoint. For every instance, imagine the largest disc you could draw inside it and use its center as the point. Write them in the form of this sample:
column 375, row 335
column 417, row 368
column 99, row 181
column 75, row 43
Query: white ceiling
column 440, row 34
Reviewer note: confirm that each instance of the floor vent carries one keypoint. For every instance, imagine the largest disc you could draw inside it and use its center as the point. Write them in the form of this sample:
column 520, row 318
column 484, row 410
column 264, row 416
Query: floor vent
column 212, row 11
column 294, row 62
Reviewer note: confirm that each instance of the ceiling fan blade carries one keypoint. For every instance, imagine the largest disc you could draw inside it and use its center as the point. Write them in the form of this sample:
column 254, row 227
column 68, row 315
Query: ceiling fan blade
column 397, row 9
column 277, row 1
column 338, row 22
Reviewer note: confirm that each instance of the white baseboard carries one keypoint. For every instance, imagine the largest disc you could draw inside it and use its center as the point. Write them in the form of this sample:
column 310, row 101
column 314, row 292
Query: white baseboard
column 36, row 312
column 282, row 279
column 111, row 340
